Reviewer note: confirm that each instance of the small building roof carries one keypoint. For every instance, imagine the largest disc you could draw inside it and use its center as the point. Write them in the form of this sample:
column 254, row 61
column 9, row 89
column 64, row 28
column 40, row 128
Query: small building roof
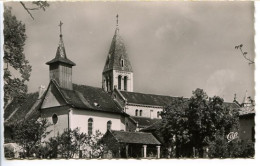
column 134, row 137
column 144, row 122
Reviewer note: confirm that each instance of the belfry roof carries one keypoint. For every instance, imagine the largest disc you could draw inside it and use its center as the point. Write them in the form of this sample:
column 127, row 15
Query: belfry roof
column 61, row 55
column 117, row 53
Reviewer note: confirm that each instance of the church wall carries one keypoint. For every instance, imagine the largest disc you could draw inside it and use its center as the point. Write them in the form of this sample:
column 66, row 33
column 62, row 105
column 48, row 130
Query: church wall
column 62, row 123
column 147, row 111
column 80, row 118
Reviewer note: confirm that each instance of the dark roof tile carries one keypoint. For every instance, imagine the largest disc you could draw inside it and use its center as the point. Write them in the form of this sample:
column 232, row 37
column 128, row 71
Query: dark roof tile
column 135, row 137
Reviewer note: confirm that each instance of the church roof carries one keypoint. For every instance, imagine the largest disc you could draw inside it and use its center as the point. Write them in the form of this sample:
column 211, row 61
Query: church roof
column 90, row 98
column 147, row 99
column 117, row 53
column 134, row 137
column 61, row 55
column 144, row 122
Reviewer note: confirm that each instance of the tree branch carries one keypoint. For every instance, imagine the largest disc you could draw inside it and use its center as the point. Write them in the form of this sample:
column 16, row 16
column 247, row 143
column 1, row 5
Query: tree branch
column 27, row 9
column 244, row 54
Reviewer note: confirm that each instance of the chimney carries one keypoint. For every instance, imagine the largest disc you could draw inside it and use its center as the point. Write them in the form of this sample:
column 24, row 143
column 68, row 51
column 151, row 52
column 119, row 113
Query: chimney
column 41, row 91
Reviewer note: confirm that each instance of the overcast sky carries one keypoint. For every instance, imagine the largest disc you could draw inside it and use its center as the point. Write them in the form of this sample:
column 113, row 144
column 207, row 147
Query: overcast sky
column 174, row 47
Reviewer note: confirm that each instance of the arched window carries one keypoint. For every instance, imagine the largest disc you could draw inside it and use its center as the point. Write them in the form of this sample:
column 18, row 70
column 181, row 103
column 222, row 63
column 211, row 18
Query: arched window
column 90, row 126
column 158, row 114
column 136, row 112
column 141, row 112
column 122, row 62
column 119, row 82
column 107, row 83
column 54, row 118
column 110, row 84
column 125, row 83
column 109, row 125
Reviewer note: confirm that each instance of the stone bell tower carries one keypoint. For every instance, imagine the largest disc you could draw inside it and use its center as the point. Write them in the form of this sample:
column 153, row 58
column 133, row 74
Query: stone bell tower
column 117, row 71
column 61, row 67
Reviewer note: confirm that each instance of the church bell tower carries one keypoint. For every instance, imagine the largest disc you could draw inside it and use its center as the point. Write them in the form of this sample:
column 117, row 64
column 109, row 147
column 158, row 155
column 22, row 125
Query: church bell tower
column 117, row 71
column 61, row 67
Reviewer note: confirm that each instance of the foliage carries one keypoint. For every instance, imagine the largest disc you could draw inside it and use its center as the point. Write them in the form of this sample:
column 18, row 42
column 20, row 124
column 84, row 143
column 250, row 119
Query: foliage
column 70, row 142
column 29, row 133
column 236, row 148
column 8, row 153
column 250, row 61
column 193, row 124
column 14, row 58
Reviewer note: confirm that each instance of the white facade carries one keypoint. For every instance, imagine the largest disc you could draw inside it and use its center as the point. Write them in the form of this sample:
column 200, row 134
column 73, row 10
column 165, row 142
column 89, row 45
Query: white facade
column 143, row 110
column 79, row 118
column 110, row 80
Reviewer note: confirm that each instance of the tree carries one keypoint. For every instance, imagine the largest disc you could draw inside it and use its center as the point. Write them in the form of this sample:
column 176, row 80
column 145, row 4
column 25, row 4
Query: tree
column 29, row 133
column 71, row 142
column 14, row 58
column 192, row 124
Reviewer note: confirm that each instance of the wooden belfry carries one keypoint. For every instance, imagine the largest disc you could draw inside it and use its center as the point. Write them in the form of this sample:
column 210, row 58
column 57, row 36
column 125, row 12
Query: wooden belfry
column 61, row 66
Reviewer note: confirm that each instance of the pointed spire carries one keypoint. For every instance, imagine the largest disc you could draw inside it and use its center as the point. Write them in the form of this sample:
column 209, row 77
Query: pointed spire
column 117, row 58
column 61, row 53
column 61, row 49
column 117, row 27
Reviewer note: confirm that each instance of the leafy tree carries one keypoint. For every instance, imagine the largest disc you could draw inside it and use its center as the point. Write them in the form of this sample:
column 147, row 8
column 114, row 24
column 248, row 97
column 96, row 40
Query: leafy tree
column 192, row 124
column 14, row 58
column 221, row 148
column 70, row 142
column 29, row 133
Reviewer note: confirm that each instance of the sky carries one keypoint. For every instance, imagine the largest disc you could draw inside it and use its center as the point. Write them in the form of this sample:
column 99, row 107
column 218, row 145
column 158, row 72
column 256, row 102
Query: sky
column 174, row 47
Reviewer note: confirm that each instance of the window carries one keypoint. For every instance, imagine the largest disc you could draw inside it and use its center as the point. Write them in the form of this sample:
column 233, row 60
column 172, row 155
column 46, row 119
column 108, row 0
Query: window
column 119, row 82
column 151, row 114
column 125, row 83
column 107, row 83
column 136, row 112
column 122, row 62
column 141, row 111
column 109, row 125
column 158, row 114
column 54, row 118
column 90, row 126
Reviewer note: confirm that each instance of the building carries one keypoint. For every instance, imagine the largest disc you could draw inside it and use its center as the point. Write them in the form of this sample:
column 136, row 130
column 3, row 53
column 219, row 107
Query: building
column 114, row 108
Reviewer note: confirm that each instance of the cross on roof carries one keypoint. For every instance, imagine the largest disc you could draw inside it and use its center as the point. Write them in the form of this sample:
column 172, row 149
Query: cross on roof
column 60, row 27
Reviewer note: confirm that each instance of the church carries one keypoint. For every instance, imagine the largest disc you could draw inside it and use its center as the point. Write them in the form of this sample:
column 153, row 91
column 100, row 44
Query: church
column 114, row 108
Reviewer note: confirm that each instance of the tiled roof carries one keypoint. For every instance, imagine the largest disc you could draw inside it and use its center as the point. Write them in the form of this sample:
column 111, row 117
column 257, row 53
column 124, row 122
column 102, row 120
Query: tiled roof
column 144, row 122
column 135, row 137
column 153, row 127
column 147, row 99
column 63, row 60
column 87, row 97
column 232, row 105
column 117, row 52
column 18, row 110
